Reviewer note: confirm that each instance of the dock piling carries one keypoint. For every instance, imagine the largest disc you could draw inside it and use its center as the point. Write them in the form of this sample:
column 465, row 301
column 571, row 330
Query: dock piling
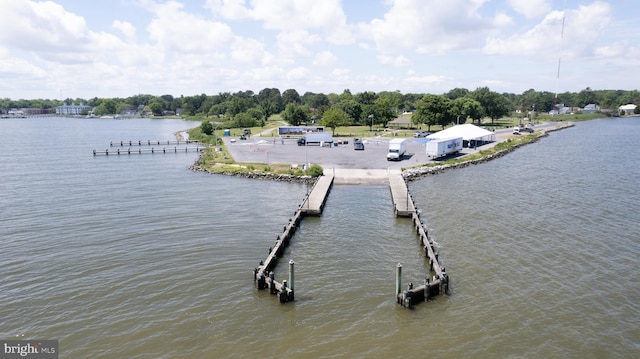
column 398, row 278
column 291, row 265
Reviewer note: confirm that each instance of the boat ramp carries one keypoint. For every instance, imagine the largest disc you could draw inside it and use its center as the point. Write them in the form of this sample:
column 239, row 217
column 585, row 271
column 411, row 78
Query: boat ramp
column 436, row 282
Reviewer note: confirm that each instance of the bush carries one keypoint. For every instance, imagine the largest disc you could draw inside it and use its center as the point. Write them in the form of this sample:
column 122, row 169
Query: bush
column 207, row 128
column 315, row 171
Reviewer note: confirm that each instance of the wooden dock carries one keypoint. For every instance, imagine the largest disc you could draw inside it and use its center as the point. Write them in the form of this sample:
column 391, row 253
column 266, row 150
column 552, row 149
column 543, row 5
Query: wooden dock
column 314, row 202
column 151, row 143
column 402, row 201
column 141, row 150
column 263, row 275
column 436, row 284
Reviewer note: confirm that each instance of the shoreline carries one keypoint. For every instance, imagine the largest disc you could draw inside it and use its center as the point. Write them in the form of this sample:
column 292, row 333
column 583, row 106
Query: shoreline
column 417, row 173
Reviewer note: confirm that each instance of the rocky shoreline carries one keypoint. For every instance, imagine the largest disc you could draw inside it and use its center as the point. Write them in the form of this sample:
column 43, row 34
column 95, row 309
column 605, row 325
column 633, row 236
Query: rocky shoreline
column 196, row 167
column 417, row 173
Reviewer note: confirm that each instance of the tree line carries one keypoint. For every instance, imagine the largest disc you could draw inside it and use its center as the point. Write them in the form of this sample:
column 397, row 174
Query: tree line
column 248, row 109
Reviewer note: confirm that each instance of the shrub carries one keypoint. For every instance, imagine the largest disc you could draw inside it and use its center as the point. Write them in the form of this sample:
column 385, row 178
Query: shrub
column 315, row 171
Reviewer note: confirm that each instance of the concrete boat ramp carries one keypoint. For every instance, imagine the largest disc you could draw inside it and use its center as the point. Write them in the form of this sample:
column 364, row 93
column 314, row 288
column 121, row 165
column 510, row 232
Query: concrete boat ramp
column 402, row 202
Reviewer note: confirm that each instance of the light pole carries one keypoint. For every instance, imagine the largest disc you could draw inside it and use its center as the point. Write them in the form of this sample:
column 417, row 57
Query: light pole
column 215, row 139
column 371, row 117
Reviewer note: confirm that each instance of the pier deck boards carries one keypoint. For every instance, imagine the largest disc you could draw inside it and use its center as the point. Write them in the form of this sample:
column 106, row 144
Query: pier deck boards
column 402, row 202
column 314, row 203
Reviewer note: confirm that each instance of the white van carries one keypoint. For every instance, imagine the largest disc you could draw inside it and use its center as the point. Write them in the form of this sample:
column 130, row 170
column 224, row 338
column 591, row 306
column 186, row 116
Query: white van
column 516, row 130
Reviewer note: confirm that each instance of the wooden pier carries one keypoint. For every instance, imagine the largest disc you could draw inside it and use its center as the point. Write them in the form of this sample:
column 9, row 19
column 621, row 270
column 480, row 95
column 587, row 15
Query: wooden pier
column 438, row 284
column 141, row 150
column 402, row 202
column 263, row 275
column 151, row 143
column 314, row 202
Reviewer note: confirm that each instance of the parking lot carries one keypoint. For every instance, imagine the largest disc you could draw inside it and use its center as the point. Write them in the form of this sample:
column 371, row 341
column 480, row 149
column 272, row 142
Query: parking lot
column 374, row 156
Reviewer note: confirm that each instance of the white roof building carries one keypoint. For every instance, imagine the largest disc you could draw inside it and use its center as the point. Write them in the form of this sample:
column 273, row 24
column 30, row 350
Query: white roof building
column 467, row 132
column 628, row 109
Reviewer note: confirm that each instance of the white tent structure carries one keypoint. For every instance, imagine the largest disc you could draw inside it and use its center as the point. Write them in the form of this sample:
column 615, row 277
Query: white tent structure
column 468, row 132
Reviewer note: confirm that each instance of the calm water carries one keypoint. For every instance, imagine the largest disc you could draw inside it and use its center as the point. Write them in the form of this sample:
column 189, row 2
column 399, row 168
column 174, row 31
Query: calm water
column 138, row 257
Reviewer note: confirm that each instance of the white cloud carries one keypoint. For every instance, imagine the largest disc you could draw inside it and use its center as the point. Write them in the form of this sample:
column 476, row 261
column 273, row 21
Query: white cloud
column 126, row 28
column 228, row 9
column 43, row 25
column 581, row 31
column 176, row 30
column 324, row 58
column 295, row 43
column 398, row 60
column 250, row 51
column 530, row 8
column 432, row 28
column 298, row 73
column 501, row 20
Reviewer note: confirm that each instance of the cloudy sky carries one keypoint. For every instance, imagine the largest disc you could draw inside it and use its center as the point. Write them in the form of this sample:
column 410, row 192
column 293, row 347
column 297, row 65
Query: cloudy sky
column 119, row 48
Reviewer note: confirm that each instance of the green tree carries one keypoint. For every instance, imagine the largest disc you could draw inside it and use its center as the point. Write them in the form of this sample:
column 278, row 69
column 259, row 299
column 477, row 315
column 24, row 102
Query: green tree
column 395, row 100
column 493, row 104
column 433, row 110
column 586, row 97
column 383, row 111
column 290, row 96
column 366, row 98
column 334, row 117
column 295, row 114
column 106, row 107
column 353, row 109
column 457, row 93
column 463, row 108
column 243, row 119
column 207, row 128
column 156, row 107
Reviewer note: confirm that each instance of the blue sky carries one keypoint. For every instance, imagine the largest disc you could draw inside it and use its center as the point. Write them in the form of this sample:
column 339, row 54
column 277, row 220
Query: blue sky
column 119, row 48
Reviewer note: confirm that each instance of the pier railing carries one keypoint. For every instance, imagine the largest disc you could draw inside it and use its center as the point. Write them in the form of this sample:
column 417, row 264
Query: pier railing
column 141, row 147
column 438, row 284
column 263, row 275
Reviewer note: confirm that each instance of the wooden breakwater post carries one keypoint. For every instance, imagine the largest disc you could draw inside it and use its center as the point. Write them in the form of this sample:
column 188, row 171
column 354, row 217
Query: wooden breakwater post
column 263, row 275
column 438, row 284
column 151, row 143
column 141, row 150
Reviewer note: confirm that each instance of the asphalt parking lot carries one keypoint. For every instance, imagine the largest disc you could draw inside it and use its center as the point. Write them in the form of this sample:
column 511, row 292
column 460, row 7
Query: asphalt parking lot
column 374, row 156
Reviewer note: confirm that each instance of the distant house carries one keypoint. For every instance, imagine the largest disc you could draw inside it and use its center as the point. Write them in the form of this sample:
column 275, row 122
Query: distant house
column 591, row 108
column 400, row 122
column 73, row 109
column 561, row 110
column 628, row 109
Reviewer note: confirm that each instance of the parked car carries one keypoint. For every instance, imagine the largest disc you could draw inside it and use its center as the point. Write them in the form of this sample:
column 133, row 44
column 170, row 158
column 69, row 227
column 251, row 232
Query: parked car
column 516, row 130
column 358, row 146
column 421, row 134
column 526, row 129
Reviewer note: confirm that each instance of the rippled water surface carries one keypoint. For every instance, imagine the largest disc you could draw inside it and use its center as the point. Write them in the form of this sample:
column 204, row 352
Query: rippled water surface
column 138, row 257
